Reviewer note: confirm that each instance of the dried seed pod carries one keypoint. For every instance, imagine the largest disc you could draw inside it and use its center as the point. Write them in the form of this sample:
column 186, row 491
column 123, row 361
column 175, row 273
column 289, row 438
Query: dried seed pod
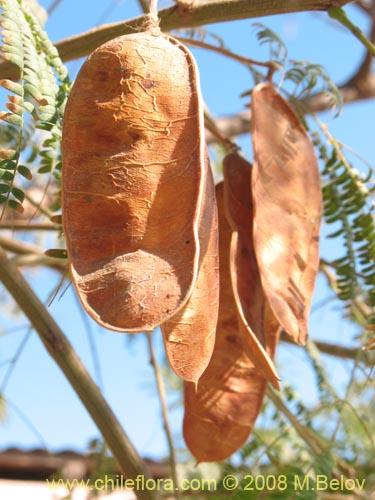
column 288, row 206
column 220, row 413
column 256, row 319
column 133, row 159
column 189, row 337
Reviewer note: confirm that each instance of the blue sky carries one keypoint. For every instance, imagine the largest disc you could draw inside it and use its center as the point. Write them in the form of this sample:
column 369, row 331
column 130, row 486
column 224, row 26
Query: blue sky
column 37, row 387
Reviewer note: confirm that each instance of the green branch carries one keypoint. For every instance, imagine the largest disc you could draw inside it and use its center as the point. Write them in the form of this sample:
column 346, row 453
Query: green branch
column 171, row 18
column 65, row 356
column 340, row 16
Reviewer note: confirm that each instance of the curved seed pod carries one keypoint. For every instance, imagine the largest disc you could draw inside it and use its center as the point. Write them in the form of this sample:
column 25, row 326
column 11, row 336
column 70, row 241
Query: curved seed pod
column 252, row 305
column 133, row 157
column 189, row 337
column 220, row 413
column 288, row 206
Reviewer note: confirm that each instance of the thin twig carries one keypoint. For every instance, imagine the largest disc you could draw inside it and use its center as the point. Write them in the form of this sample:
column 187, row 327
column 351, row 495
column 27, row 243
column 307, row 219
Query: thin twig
column 38, row 204
column 53, row 6
column 340, row 15
column 28, row 423
column 92, row 344
column 144, row 5
column 31, row 255
column 224, row 52
column 104, row 16
column 19, row 247
column 356, row 304
column 170, row 18
column 338, row 351
column 33, row 226
column 67, row 359
column 22, row 248
column 13, row 361
column 41, row 260
column 154, row 7
column 315, row 443
column 164, row 409
column 306, row 434
column 214, row 130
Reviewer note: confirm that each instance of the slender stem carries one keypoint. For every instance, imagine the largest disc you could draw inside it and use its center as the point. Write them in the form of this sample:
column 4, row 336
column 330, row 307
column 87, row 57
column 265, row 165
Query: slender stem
column 360, row 307
column 170, row 18
column 53, row 6
column 338, row 351
column 306, row 434
column 38, row 204
column 13, row 361
column 315, row 442
column 144, row 5
column 340, row 15
column 224, row 52
column 19, row 247
column 33, row 260
column 92, row 344
column 164, row 409
column 31, row 255
column 33, row 226
column 370, row 345
column 154, row 7
column 67, row 359
column 211, row 126
column 28, row 423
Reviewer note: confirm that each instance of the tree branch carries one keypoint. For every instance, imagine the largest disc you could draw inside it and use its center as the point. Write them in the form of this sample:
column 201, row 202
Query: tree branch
column 65, row 356
column 31, row 255
column 352, row 91
column 164, row 409
column 171, row 18
column 336, row 350
column 359, row 79
column 32, row 226
column 317, row 445
column 340, row 15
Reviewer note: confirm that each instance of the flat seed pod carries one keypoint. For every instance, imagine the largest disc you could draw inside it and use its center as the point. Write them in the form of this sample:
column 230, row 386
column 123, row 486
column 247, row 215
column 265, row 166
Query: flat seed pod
column 189, row 337
column 133, row 157
column 288, row 207
column 252, row 305
column 220, row 413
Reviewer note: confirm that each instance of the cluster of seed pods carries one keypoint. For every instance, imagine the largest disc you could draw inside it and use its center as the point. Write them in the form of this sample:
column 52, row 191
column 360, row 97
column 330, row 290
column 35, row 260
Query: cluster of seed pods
column 151, row 244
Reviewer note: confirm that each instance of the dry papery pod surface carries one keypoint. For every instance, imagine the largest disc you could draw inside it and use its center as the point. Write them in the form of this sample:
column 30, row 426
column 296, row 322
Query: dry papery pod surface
column 257, row 321
column 220, row 413
column 133, row 177
column 189, row 336
column 288, row 206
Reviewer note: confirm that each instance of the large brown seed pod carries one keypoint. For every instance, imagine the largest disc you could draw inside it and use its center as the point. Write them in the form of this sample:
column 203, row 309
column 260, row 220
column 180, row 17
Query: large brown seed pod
column 288, row 207
column 189, row 336
column 220, row 413
column 133, row 159
column 256, row 318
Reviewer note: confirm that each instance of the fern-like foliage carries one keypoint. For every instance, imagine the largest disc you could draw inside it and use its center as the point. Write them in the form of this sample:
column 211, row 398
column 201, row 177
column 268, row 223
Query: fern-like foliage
column 349, row 208
column 201, row 34
column 36, row 100
column 307, row 77
column 346, row 193
column 277, row 48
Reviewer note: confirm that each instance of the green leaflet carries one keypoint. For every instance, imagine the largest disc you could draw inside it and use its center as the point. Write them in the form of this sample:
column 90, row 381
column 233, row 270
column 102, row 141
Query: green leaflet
column 37, row 99
column 348, row 207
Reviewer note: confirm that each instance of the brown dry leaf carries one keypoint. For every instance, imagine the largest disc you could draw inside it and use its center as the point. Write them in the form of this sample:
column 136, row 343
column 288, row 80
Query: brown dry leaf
column 220, row 413
column 189, row 337
column 133, row 159
column 288, row 207
column 257, row 322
